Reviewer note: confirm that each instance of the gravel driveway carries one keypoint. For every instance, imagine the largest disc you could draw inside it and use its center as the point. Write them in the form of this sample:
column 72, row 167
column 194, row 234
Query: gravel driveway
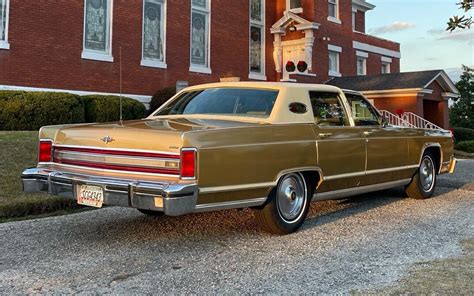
column 362, row 243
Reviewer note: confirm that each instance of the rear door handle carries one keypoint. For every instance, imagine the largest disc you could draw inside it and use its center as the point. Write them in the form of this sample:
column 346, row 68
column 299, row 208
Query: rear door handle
column 368, row 133
column 324, row 135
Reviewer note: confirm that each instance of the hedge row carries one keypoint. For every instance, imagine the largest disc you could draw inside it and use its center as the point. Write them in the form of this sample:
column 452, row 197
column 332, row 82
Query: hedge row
column 31, row 110
column 463, row 134
column 160, row 97
column 465, row 146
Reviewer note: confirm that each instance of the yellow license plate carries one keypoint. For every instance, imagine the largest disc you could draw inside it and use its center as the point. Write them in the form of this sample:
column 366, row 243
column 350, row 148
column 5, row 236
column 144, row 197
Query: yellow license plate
column 91, row 196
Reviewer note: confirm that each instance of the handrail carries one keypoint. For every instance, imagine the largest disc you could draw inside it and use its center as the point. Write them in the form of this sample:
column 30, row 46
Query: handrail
column 394, row 119
column 419, row 121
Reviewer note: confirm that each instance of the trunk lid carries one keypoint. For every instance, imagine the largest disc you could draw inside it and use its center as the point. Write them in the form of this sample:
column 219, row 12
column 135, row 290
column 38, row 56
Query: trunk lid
column 164, row 135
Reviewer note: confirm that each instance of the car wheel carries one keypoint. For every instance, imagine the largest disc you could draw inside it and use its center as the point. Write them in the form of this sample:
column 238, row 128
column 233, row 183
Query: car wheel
column 287, row 206
column 151, row 213
column 423, row 183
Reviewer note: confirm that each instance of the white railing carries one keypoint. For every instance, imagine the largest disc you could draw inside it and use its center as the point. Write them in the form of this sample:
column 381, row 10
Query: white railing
column 394, row 119
column 409, row 119
column 419, row 122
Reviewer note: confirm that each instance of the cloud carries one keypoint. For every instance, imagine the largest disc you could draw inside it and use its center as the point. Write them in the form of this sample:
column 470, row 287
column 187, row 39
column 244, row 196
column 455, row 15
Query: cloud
column 436, row 31
column 457, row 36
column 395, row 27
column 454, row 73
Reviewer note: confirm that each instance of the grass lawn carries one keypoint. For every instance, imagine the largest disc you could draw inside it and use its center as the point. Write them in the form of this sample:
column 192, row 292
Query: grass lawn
column 19, row 151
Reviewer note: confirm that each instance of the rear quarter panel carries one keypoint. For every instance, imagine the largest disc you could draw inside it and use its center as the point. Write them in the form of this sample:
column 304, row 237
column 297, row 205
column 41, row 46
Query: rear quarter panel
column 249, row 155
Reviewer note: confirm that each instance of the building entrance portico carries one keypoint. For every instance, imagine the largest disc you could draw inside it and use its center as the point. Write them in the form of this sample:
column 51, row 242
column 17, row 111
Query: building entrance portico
column 293, row 50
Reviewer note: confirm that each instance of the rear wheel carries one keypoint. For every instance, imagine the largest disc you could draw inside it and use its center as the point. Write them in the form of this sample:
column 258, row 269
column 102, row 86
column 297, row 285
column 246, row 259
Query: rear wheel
column 288, row 206
column 151, row 213
column 423, row 183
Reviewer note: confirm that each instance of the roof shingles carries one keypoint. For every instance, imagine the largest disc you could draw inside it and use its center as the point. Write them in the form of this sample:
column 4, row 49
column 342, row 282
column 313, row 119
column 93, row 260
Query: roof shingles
column 407, row 80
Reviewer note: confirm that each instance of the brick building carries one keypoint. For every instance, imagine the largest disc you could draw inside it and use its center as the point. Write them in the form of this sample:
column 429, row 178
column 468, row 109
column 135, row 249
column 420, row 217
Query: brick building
column 424, row 93
column 81, row 45
column 75, row 45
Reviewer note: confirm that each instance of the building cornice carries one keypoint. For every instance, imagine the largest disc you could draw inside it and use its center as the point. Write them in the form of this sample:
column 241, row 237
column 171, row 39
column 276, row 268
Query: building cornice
column 362, row 5
column 375, row 49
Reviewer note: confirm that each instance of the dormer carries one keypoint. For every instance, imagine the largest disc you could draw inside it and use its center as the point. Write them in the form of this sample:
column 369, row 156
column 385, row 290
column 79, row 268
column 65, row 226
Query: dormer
column 359, row 8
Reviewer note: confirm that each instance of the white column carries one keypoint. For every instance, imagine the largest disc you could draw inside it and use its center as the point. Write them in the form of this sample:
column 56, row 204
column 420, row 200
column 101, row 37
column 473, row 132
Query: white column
column 308, row 47
column 277, row 52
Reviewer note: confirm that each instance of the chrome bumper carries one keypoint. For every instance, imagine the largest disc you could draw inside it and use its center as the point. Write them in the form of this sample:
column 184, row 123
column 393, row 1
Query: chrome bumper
column 172, row 199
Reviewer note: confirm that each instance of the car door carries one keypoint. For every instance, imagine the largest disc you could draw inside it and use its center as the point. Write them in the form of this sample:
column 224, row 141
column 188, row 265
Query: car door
column 387, row 146
column 341, row 147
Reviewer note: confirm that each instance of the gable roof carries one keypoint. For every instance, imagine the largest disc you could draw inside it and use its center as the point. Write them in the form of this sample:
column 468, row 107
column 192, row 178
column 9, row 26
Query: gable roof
column 406, row 80
column 290, row 17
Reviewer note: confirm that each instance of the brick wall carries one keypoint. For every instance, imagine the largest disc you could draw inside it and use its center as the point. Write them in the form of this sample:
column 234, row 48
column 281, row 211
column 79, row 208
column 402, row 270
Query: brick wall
column 47, row 41
column 360, row 21
column 392, row 104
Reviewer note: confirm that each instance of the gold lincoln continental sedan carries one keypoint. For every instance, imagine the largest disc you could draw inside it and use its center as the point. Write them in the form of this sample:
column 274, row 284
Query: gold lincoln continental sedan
column 272, row 147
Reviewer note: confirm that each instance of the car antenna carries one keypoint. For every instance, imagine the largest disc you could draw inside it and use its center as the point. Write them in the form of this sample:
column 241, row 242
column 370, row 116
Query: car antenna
column 121, row 105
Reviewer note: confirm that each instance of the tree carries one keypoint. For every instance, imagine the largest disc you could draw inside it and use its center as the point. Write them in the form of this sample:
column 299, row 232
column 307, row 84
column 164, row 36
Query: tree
column 462, row 112
column 462, row 22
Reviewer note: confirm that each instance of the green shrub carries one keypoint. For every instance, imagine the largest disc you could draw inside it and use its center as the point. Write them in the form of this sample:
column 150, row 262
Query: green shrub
column 32, row 110
column 466, row 146
column 6, row 94
column 20, row 110
column 107, row 108
column 161, row 96
column 463, row 134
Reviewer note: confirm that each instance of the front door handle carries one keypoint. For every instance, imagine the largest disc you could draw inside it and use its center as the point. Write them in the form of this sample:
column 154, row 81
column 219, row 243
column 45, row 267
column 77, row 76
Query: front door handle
column 368, row 133
column 324, row 135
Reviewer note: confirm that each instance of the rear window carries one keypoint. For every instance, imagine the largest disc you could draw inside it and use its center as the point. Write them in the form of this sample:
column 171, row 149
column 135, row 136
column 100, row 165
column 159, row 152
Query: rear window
column 223, row 101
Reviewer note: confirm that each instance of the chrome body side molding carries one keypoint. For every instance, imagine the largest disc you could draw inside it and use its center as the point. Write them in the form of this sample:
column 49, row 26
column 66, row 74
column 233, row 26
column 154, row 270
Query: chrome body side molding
column 338, row 194
column 371, row 172
column 246, row 203
column 216, row 189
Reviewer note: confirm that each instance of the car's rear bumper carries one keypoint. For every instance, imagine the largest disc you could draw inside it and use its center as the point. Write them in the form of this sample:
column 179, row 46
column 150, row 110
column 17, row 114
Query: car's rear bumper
column 171, row 198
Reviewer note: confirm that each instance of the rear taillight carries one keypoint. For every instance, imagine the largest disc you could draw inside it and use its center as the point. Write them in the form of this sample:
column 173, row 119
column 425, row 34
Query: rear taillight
column 453, row 138
column 188, row 163
column 45, row 151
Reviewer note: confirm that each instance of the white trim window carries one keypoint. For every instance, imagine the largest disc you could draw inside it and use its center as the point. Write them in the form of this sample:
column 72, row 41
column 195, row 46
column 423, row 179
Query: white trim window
column 257, row 40
column 333, row 11
column 154, row 34
column 98, row 30
column 200, row 36
column 386, row 65
column 354, row 20
column 361, row 63
column 334, row 60
column 294, row 6
column 4, row 14
column 361, row 66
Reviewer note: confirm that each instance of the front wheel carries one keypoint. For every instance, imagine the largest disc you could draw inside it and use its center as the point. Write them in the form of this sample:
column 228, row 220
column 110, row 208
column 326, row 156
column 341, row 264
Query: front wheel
column 423, row 183
column 288, row 206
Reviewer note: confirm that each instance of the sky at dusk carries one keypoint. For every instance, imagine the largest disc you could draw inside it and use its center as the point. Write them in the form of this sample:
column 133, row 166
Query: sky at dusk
column 419, row 25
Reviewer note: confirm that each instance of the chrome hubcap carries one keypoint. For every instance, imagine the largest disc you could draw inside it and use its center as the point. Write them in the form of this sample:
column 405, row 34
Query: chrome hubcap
column 291, row 197
column 427, row 174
